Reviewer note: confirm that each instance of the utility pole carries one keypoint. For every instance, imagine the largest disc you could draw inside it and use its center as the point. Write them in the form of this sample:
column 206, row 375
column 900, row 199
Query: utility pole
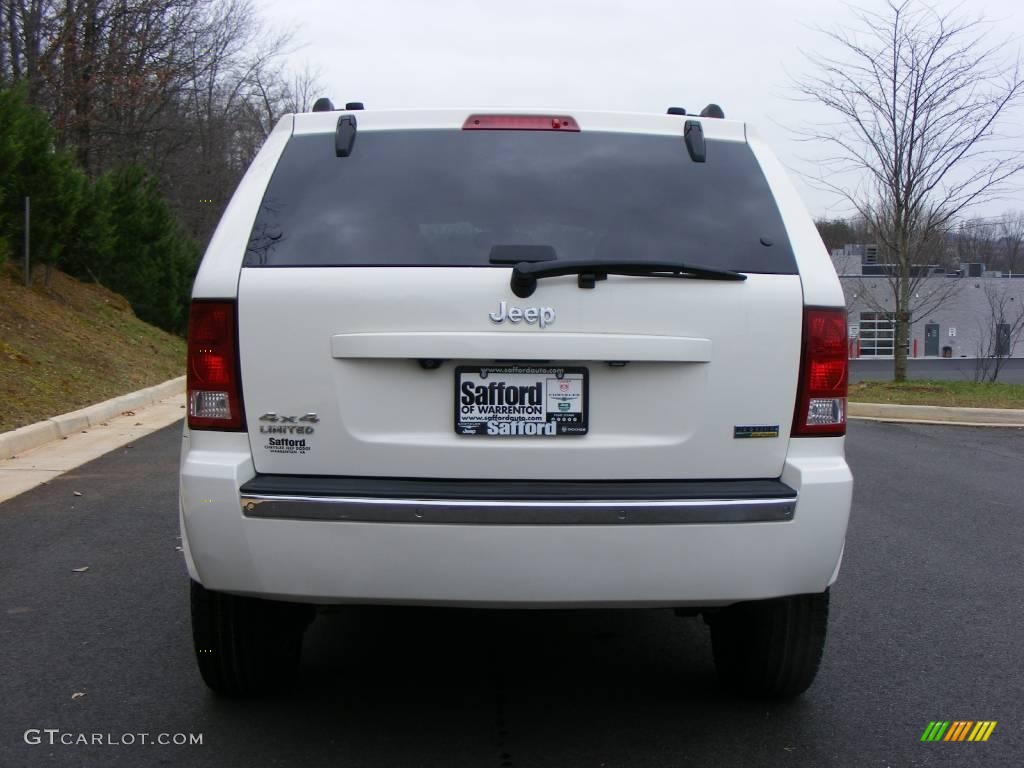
column 28, row 267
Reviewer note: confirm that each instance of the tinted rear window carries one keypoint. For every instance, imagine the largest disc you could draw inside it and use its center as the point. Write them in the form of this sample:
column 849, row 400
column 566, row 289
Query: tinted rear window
column 445, row 197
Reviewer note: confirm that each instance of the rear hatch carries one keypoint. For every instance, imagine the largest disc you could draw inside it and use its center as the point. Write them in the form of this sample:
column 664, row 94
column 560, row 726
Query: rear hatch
column 379, row 337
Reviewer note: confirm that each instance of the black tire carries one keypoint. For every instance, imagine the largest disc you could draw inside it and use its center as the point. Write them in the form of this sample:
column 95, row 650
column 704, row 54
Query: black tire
column 246, row 646
column 770, row 647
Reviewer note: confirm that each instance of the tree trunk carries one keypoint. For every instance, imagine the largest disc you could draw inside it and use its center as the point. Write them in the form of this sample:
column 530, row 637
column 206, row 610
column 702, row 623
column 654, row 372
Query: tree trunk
column 32, row 19
column 85, row 86
column 902, row 340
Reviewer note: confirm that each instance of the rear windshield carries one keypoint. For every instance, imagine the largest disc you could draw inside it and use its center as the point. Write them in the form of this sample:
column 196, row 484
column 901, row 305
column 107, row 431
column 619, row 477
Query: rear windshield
column 446, row 197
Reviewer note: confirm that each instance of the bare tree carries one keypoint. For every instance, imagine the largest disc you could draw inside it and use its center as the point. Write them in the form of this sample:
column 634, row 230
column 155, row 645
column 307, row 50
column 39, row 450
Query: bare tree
column 975, row 242
column 835, row 233
column 1000, row 329
column 920, row 96
column 305, row 88
column 23, row 29
column 1011, row 241
column 188, row 89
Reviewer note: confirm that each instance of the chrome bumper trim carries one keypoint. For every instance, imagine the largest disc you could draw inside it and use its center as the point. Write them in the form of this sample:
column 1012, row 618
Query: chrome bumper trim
column 517, row 512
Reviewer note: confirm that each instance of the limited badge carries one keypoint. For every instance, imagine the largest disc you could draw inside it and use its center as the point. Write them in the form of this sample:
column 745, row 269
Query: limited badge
column 761, row 430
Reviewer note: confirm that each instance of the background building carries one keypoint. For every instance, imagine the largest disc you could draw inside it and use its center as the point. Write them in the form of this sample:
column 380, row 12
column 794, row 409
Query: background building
column 971, row 312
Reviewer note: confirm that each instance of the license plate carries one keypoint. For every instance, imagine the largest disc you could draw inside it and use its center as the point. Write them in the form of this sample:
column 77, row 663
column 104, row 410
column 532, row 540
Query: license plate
column 520, row 401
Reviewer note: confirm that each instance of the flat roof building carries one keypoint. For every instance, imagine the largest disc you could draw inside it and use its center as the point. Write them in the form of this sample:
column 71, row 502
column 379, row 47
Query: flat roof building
column 954, row 314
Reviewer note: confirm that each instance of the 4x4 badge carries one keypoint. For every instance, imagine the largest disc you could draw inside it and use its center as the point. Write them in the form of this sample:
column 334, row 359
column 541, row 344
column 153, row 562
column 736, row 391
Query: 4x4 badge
column 273, row 417
column 288, row 425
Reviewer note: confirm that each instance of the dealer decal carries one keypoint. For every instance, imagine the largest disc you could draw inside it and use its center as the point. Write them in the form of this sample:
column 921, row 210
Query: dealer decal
column 288, row 445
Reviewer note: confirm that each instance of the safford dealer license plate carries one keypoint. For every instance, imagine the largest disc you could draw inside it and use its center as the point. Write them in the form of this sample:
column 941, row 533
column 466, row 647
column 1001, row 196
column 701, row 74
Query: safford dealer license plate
column 520, row 401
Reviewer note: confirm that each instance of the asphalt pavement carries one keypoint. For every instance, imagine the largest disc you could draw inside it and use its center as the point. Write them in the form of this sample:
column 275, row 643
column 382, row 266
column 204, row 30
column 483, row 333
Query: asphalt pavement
column 926, row 625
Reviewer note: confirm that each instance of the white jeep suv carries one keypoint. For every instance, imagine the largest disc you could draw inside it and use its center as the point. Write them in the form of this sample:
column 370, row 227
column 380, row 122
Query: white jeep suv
column 510, row 358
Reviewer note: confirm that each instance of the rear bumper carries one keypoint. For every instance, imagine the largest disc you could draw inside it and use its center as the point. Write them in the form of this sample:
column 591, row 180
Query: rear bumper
column 502, row 502
column 594, row 544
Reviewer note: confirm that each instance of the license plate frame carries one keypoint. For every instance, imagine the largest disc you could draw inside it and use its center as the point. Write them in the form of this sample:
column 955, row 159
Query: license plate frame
column 564, row 400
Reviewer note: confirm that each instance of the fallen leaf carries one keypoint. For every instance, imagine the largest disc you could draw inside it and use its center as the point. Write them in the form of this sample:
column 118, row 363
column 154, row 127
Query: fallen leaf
column 127, row 413
column 77, row 493
column 83, row 569
column 77, row 695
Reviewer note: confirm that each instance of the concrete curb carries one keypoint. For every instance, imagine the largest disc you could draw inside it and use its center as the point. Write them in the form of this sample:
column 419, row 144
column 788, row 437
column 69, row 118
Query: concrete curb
column 938, row 414
column 34, row 435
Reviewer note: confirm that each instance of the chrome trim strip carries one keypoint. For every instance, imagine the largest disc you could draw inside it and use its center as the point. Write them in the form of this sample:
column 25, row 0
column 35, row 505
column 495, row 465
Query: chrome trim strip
column 521, row 345
column 488, row 512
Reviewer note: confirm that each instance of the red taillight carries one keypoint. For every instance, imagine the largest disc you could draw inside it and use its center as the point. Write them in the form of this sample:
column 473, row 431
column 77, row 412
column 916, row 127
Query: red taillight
column 520, row 123
column 821, row 394
column 214, row 392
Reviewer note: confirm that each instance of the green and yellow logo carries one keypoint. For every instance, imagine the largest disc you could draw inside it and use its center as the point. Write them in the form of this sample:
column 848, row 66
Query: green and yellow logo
column 958, row 730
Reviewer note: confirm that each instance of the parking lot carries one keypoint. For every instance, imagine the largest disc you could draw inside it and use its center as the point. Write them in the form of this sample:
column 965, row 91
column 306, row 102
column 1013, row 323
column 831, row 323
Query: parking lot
column 926, row 625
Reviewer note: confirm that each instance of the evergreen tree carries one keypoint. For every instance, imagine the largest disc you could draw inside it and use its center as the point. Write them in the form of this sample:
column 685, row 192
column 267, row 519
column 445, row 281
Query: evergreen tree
column 151, row 261
column 31, row 167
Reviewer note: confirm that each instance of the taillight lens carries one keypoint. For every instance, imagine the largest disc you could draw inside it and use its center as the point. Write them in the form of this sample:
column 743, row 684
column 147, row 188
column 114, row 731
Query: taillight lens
column 824, row 364
column 214, row 391
column 520, row 123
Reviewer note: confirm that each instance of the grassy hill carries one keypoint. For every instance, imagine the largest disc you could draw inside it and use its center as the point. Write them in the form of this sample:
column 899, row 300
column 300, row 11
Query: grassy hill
column 71, row 345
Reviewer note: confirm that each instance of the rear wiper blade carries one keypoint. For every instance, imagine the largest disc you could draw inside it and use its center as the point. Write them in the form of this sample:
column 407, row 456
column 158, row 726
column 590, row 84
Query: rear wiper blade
column 513, row 254
column 526, row 274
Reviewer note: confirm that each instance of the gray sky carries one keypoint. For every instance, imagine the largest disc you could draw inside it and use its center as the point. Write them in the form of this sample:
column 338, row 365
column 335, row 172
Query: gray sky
column 631, row 55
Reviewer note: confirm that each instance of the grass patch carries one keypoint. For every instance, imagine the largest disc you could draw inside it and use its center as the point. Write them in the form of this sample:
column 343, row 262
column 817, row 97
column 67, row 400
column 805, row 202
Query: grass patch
column 71, row 345
column 964, row 394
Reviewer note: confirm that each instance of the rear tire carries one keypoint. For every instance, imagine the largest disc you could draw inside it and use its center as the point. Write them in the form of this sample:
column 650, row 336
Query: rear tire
column 246, row 646
column 770, row 647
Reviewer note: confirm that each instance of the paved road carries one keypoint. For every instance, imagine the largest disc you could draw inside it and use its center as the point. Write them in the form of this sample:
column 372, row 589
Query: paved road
column 957, row 369
column 927, row 624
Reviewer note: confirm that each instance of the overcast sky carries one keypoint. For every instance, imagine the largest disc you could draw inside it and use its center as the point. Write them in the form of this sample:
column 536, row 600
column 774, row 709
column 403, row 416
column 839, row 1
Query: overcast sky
column 631, row 55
